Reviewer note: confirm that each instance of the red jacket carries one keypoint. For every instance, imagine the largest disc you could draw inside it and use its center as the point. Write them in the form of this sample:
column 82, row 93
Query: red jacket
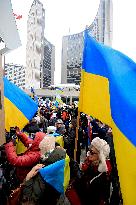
column 29, row 158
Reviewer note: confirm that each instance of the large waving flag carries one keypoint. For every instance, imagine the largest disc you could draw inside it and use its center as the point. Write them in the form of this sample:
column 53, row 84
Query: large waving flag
column 108, row 92
column 57, row 174
column 19, row 107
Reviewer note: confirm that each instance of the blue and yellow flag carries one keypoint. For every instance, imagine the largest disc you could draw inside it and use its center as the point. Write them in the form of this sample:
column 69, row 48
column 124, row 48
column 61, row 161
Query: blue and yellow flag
column 108, row 92
column 57, row 174
column 58, row 138
column 19, row 107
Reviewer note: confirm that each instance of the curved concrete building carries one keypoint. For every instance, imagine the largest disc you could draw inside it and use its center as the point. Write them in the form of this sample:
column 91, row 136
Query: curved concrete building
column 34, row 47
column 72, row 45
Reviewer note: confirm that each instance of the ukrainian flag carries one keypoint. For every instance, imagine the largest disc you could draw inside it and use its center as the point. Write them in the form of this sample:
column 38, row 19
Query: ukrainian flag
column 19, row 107
column 58, row 138
column 108, row 92
column 57, row 174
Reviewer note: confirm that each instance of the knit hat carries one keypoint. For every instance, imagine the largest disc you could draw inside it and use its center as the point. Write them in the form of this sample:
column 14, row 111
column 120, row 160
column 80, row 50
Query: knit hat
column 59, row 121
column 104, row 150
column 47, row 144
column 51, row 129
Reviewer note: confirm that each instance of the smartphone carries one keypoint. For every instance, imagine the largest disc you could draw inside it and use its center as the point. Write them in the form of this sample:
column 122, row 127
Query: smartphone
column 12, row 132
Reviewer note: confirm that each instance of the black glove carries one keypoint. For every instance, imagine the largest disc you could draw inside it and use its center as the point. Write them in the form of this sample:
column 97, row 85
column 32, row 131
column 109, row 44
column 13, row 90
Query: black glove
column 8, row 137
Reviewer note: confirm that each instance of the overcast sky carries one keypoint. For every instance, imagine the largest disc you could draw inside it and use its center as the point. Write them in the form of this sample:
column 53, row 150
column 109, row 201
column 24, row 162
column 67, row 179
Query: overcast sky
column 62, row 16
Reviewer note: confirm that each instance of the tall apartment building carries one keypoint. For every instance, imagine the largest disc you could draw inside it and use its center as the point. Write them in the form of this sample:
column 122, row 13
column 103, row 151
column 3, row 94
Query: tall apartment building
column 16, row 74
column 72, row 45
column 48, row 65
column 34, row 47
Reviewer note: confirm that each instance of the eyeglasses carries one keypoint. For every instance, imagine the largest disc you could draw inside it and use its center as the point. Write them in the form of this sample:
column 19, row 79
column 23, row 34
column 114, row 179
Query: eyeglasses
column 91, row 152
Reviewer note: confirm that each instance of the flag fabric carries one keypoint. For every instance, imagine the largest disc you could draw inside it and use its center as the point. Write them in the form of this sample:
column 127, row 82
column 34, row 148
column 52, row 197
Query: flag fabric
column 32, row 90
column 58, row 138
column 19, row 107
column 20, row 147
column 56, row 104
column 108, row 92
column 36, row 99
column 33, row 95
column 57, row 174
column 58, row 101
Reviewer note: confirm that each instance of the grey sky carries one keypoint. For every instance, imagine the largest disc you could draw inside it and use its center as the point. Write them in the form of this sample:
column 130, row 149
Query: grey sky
column 60, row 15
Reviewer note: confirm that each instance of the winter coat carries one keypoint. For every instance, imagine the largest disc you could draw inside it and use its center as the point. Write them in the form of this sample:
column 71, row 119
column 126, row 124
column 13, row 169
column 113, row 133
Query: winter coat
column 71, row 137
column 69, row 142
column 38, row 191
column 29, row 158
column 64, row 113
column 93, row 187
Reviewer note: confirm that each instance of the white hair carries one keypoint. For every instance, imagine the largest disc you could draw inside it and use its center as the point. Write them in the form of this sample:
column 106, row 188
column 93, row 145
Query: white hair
column 47, row 144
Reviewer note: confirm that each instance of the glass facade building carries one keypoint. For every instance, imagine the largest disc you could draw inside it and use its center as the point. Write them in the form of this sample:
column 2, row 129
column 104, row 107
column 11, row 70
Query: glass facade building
column 16, row 74
column 48, row 66
column 72, row 45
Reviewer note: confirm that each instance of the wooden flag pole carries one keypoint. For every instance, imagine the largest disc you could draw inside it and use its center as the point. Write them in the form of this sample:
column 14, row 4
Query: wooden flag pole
column 2, row 117
column 76, row 139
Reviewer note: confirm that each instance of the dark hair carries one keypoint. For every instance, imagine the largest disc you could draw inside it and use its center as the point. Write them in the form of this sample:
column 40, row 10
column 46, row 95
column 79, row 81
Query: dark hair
column 74, row 122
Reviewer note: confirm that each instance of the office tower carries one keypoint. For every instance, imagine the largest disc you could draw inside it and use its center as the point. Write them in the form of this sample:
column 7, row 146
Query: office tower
column 72, row 45
column 48, row 65
column 16, row 74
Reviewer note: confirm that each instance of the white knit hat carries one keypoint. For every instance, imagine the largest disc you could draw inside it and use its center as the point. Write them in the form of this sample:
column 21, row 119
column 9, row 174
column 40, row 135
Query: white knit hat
column 51, row 129
column 104, row 150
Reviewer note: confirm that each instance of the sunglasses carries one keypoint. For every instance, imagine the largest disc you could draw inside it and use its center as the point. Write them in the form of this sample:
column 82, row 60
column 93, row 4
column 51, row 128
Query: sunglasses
column 91, row 152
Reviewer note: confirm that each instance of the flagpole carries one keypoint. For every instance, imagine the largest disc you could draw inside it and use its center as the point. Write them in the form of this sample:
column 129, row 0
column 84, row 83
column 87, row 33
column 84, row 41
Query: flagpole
column 76, row 139
column 2, row 117
column 78, row 117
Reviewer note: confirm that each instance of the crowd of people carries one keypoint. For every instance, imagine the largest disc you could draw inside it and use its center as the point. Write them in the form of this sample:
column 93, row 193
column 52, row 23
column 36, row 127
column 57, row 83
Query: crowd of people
column 52, row 136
